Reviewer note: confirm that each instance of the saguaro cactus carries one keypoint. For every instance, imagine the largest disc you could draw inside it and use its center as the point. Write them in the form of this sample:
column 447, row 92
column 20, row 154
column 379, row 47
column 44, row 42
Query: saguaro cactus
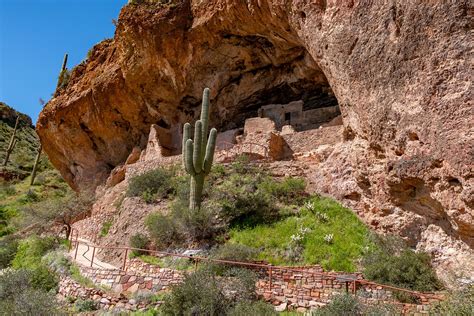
column 63, row 74
column 35, row 166
column 198, row 154
column 13, row 141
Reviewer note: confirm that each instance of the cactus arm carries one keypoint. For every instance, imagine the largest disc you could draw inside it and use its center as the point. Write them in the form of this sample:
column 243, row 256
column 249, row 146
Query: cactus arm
column 197, row 157
column 189, row 158
column 186, row 136
column 204, row 119
column 211, row 145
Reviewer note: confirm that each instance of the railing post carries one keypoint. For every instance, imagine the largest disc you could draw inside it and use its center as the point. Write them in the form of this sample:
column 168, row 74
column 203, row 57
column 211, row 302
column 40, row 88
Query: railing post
column 196, row 261
column 75, row 253
column 93, row 254
column 354, row 289
column 125, row 259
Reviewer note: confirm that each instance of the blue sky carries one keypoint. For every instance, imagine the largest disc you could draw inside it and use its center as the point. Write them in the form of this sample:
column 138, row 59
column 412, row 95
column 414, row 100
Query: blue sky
column 35, row 34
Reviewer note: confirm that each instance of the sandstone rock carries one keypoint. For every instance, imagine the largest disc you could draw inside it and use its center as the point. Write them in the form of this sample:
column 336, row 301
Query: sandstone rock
column 281, row 307
column 134, row 156
column 259, row 125
column 399, row 69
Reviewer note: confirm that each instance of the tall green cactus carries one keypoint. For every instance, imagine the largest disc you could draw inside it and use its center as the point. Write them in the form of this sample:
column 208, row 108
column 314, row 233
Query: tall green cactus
column 198, row 154
column 12, row 143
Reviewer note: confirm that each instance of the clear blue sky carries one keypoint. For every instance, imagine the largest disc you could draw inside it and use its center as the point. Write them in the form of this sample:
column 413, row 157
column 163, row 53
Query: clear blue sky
column 35, row 34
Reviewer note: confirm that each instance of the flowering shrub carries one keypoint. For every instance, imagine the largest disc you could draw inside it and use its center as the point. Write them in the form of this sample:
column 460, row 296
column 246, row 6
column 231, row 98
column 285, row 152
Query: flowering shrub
column 296, row 245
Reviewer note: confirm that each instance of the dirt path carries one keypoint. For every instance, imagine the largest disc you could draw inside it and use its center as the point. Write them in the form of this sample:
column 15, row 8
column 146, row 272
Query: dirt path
column 84, row 256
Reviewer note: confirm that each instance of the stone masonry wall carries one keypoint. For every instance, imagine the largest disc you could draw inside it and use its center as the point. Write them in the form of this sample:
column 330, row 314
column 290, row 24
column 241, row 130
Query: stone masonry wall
column 311, row 287
column 150, row 278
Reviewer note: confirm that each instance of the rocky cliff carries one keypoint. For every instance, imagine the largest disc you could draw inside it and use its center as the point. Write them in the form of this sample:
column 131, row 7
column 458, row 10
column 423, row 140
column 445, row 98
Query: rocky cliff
column 400, row 71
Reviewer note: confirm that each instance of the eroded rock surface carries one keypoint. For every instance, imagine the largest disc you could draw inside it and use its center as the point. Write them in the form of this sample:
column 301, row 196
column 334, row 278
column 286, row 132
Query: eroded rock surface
column 400, row 71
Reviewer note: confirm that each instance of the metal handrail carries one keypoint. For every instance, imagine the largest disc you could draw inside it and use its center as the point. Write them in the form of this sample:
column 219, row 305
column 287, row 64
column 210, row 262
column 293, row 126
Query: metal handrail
column 268, row 267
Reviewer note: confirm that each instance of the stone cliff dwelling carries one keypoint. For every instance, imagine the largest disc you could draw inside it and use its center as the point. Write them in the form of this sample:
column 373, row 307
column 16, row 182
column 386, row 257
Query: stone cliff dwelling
column 402, row 158
column 307, row 108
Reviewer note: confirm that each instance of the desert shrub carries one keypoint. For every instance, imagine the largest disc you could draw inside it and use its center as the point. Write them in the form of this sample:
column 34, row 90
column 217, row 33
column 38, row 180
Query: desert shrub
column 289, row 191
column 57, row 262
column 18, row 296
column 139, row 241
column 29, row 254
column 241, row 165
column 7, row 190
column 158, row 183
column 403, row 268
column 182, row 225
column 204, row 293
column 243, row 203
column 163, row 230
column 199, row 294
column 78, row 277
column 458, row 303
column 253, row 308
column 30, row 196
column 104, row 230
column 343, row 304
column 31, row 250
column 8, row 248
column 85, row 305
column 238, row 284
column 384, row 309
column 63, row 78
column 43, row 278
column 232, row 252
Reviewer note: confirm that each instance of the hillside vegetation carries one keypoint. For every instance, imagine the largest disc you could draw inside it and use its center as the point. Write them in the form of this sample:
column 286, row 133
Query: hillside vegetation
column 23, row 155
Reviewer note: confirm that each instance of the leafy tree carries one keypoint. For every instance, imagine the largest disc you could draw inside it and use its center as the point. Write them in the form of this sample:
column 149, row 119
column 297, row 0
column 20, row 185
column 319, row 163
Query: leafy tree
column 61, row 211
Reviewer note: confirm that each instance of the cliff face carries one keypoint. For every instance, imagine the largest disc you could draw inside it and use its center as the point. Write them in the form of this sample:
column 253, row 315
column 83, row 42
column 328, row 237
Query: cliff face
column 399, row 70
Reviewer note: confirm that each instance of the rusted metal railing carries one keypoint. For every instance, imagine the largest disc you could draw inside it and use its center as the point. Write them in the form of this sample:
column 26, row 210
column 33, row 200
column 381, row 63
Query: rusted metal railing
column 267, row 267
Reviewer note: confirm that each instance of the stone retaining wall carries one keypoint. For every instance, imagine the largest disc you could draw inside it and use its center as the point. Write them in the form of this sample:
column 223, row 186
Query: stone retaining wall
column 133, row 281
column 302, row 290
column 68, row 288
column 299, row 290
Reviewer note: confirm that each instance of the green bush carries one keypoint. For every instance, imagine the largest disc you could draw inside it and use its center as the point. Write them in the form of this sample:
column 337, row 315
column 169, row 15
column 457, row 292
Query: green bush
column 85, row 305
column 8, row 248
column 163, row 230
column 289, row 191
column 139, row 241
column 78, row 277
column 458, row 303
column 199, row 294
column 234, row 252
column 250, row 308
column 29, row 256
column 18, row 296
column 243, row 203
column 343, row 304
column 104, row 231
column 158, row 183
column 231, row 252
column 203, row 293
column 400, row 267
column 31, row 250
column 182, row 226
column 43, row 278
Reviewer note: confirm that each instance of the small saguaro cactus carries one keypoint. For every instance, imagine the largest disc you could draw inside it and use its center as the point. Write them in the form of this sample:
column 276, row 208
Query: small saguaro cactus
column 13, row 142
column 35, row 166
column 63, row 74
column 198, row 154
